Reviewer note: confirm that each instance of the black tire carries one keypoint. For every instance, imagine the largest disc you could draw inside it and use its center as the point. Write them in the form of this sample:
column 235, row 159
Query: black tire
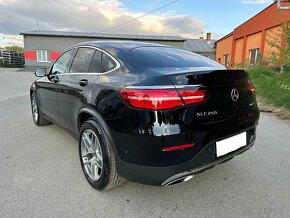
column 108, row 177
column 40, row 120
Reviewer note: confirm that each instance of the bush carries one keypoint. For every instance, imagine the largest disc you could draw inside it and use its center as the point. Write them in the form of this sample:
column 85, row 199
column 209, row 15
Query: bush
column 273, row 86
column 4, row 64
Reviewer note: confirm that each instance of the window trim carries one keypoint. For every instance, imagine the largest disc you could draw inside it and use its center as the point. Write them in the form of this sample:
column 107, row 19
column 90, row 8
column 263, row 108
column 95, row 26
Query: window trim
column 102, row 63
column 41, row 50
column 118, row 65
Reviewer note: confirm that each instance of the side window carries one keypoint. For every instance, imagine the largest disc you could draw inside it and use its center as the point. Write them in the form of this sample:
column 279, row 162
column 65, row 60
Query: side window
column 227, row 59
column 82, row 60
column 96, row 63
column 63, row 63
column 254, row 54
column 107, row 63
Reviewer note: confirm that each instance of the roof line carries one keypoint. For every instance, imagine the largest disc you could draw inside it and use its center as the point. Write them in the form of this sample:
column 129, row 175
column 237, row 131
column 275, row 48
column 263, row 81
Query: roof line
column 226, row 36
column 101, row 35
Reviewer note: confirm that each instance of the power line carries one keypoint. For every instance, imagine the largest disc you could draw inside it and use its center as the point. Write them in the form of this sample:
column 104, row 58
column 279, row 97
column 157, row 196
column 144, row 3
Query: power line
column 137, row 18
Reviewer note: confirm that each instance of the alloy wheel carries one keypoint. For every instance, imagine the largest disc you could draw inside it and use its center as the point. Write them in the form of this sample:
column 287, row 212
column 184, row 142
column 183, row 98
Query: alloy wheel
column 91, row 152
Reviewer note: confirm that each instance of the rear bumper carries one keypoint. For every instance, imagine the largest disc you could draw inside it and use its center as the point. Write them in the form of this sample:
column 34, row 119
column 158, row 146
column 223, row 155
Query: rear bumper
column 206, row 167
column 163, row 176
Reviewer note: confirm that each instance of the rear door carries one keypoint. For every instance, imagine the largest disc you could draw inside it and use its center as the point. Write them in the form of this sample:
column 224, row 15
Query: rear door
column 75, row 85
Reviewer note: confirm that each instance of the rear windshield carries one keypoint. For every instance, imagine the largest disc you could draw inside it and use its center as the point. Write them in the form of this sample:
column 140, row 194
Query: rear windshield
column 170, row 57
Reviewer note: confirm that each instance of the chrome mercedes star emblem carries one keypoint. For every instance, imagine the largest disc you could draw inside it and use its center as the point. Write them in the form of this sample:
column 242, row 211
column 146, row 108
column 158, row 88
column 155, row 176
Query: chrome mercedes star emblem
column 235, row 95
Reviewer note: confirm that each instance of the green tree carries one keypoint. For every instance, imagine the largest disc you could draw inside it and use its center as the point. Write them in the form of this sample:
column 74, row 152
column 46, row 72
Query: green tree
column 281, row 53
column 14, row 48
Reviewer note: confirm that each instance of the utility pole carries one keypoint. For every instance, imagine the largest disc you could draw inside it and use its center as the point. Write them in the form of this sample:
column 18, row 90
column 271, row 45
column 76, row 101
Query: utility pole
column 37, row 25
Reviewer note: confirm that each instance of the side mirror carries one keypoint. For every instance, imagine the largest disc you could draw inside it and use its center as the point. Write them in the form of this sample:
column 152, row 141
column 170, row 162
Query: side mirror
column 40, row 72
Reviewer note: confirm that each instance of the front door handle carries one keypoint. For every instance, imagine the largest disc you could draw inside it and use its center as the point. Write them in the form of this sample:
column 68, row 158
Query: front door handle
column 83, row 82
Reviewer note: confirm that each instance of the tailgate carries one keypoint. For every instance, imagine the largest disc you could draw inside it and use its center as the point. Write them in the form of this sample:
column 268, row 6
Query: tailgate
column 220, row 85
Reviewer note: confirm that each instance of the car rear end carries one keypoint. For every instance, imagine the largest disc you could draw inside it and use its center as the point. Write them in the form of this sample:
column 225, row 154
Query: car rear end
column 201, row 116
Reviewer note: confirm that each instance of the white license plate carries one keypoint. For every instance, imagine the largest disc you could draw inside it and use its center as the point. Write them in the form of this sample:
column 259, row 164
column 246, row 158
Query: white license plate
column 231, row 144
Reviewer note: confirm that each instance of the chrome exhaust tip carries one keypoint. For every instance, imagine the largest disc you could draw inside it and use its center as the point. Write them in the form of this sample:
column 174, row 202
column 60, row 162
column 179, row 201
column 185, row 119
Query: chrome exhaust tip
column 179, row 180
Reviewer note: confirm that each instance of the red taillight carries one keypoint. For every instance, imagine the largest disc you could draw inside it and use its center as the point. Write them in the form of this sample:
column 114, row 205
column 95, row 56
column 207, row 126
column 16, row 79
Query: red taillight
column 161, row 98
column 154, row 99
column 251, row 87
column 178, row 147
column 192, row 96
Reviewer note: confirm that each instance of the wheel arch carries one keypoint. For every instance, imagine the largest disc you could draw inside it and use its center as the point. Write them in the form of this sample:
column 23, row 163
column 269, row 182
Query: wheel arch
column 87, row 114
column 32, row 89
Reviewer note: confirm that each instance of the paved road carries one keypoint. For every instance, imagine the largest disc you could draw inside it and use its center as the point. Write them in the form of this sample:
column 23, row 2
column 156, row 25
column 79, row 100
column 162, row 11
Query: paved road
column 40, row 174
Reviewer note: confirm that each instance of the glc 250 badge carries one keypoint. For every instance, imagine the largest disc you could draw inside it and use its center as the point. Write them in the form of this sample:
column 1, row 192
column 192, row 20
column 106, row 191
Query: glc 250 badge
column 208, row 113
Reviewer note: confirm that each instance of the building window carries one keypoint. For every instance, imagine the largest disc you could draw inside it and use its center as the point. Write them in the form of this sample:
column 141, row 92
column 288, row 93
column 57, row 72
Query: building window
column 227, row 59
column 41, row 56
column 254, row 54
column 219, row 60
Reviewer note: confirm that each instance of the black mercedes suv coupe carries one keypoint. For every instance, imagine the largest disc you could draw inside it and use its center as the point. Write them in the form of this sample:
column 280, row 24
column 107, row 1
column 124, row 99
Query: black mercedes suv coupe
column 145, row 112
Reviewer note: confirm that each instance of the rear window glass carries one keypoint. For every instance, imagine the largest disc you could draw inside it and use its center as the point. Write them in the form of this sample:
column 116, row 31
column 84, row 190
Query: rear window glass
column 170, row 57
column 82, row 60
column 107, row 63
column 96, row 63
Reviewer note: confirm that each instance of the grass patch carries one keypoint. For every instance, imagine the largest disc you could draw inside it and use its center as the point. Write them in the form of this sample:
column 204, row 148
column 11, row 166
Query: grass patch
column 272, row 86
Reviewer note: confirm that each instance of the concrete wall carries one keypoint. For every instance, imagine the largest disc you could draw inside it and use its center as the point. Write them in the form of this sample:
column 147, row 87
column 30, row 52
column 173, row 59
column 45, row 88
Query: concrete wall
column 57, row 45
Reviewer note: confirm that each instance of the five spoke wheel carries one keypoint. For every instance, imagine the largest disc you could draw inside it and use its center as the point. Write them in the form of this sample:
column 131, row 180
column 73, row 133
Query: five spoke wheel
column 91, row 154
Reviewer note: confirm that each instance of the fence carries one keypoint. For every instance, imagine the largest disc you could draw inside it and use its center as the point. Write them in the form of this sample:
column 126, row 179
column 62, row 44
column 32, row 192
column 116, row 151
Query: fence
column 12, row 58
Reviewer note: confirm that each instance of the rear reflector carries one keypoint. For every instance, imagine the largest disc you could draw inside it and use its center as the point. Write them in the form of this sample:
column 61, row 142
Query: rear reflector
column 178, row 147
column 251, row 87
column 159, row 98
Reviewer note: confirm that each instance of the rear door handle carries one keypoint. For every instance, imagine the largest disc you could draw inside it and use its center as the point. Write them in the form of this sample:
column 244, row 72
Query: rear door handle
column 83, row 82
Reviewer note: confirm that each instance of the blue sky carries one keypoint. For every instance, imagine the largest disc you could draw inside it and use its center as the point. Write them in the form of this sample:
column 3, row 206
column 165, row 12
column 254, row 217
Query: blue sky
column 186, row 18
column 219, row 16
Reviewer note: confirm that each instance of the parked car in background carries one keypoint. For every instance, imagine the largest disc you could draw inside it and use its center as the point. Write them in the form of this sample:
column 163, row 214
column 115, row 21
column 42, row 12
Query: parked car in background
column 144, row 112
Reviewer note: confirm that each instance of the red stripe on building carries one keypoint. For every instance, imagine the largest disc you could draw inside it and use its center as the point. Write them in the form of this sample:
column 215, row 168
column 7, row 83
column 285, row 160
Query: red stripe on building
column 30, row 55
column 54, row 55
